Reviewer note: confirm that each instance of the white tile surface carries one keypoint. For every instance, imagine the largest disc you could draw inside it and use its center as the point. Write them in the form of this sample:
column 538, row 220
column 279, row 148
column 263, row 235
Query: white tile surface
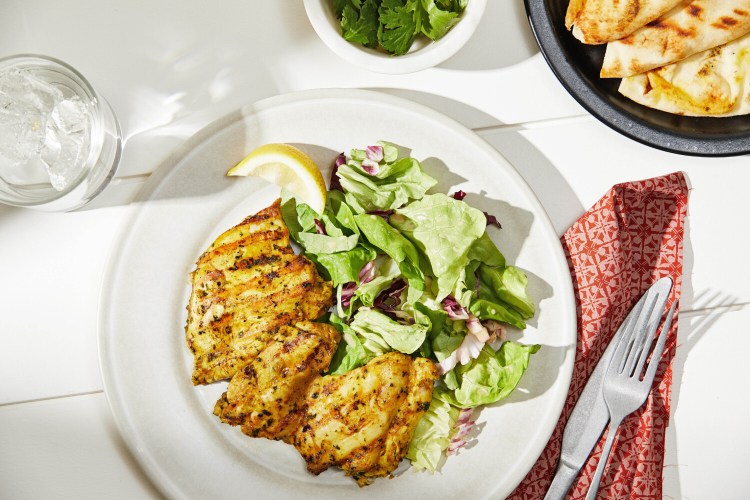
column 67, row 448
column 51, row 267
column 708, row 449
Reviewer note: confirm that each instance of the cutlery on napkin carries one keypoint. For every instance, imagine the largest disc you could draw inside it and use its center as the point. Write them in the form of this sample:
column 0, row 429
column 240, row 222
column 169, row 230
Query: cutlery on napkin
column 628, row 240
column 590, row 415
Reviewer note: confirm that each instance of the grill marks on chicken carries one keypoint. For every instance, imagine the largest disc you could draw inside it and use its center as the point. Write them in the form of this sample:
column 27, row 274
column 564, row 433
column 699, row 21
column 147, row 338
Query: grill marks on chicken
column 266, row 397
column 249, row 318
column 247, row 285
column 363, row 420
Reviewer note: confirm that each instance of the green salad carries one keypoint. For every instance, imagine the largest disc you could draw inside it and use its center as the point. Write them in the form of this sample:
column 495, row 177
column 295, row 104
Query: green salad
column 393, row 25
column 417, row 272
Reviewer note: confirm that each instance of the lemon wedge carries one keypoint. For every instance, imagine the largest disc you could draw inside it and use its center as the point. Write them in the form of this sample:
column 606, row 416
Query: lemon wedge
column 288, row 167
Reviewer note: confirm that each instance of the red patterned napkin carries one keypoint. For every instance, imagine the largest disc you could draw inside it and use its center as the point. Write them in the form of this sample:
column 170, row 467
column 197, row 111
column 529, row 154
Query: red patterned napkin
column 628, row 240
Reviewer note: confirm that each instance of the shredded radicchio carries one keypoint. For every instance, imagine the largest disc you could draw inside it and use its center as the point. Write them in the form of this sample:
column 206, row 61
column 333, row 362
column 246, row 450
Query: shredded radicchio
column 374, row 155
column 390, row 298
column 319, row 227
column 468, row 350
column 367, row 273
column 371, row 167
column 454, row 309
column 347, row 292
column 382, row 213
column 492, row 220
column 463, row 427
column 470, row 347
column 335, row 182
column 459, row 195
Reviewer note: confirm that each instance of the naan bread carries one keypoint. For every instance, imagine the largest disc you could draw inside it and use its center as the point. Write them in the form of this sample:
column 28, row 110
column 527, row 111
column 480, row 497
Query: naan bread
column 712, row 83
column 686, row 30
column 601, row 21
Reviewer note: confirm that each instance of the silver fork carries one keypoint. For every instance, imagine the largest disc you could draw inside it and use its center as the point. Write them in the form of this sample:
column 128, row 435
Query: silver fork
column 623, row 388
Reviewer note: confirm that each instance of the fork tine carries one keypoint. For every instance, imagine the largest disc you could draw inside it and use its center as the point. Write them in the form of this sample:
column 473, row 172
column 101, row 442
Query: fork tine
column 659, row 349
column 642, row 320
column 629, row 330
column 643, row 356
column 640, row 352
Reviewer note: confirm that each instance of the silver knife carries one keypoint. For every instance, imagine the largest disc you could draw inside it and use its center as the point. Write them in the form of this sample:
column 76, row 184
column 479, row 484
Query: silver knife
column 590, row 414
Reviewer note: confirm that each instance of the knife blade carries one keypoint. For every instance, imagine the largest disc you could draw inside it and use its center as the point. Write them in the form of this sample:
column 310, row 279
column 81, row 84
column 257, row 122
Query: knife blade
column 590, row 414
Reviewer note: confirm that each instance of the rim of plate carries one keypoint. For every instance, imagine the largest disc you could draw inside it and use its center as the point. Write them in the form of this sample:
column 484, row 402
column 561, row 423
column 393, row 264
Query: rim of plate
column 147, row 462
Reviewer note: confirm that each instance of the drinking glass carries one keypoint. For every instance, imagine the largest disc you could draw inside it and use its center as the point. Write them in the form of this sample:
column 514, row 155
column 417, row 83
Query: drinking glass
column 60, row 141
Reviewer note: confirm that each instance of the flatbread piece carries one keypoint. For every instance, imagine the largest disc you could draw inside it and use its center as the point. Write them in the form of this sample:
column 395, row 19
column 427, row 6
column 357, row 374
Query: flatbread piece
column 601, row 21
column 712, row 83
column 686, row 30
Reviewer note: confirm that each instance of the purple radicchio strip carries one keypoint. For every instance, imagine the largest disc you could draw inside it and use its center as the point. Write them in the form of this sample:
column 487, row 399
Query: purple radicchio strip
column 347, row 292
column 385, row 214
column 374, row 155
column 370, row 166
column 463, row 427
column 459, row 195
column 390, row 298
column 367, row 273
column 469, row 349
column 335, row 182
column 319, row 227
column 454, row 309
column 492, row 220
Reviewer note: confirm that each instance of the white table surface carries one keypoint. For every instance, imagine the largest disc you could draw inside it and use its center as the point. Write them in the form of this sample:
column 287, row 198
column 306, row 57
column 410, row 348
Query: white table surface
column 170, row 68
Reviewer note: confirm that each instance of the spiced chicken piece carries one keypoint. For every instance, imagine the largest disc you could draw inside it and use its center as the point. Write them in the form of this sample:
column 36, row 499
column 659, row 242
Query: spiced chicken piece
column 247, row 285
column 363, row 420
column 266, row 397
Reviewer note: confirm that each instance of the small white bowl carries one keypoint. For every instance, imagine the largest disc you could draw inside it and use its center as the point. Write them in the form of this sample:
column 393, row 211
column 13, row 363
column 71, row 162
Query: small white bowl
column 421, row 56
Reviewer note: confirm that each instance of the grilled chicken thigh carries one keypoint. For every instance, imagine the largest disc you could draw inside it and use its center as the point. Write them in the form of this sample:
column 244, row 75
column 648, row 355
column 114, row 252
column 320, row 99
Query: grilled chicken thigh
column 363, row 420
column 246, row 286
column 267, row 396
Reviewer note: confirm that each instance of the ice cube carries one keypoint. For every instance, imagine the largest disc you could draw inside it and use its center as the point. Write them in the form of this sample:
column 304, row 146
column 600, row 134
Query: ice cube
column 41, row 131
column 68, row 136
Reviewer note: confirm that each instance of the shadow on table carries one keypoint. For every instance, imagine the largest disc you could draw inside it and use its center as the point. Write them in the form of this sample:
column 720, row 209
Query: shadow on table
column 505, row 27
column 130, row 461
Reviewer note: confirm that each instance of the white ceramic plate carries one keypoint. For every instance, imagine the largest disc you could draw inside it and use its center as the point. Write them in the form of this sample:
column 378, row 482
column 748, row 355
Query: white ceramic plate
column 168, row 423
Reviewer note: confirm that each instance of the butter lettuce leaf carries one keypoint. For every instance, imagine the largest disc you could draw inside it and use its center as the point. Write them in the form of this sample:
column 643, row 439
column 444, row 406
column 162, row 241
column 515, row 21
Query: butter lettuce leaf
column 394, row 185
column 492, row 376
column 444, row 229
column 373, row 325
column 350, row 353
column 344, row 267
column 388, row 239
column 433, row 433
column 506, row 285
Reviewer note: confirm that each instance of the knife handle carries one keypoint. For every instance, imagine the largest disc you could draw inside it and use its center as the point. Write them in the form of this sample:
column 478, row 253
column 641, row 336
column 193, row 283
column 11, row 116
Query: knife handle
column 564, row 478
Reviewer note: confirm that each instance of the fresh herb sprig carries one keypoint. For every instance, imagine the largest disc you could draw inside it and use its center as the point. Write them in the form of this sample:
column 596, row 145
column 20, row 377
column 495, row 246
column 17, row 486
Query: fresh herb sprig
column 393, row 25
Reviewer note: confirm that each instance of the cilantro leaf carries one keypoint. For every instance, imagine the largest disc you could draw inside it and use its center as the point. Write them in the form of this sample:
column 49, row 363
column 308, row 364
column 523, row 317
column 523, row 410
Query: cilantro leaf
column 361, row 26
